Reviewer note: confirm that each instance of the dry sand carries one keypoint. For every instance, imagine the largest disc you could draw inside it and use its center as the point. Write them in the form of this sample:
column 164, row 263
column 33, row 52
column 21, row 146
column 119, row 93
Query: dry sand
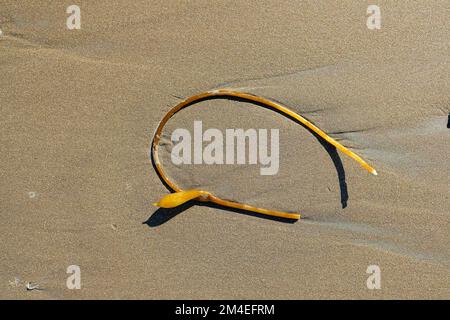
column 78, row 110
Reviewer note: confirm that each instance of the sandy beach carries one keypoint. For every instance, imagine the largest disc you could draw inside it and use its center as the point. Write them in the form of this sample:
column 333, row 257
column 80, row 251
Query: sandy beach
column 80, row 107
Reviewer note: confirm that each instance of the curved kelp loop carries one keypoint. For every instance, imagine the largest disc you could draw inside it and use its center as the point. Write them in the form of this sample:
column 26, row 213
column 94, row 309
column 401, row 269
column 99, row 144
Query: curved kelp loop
column 181, row 196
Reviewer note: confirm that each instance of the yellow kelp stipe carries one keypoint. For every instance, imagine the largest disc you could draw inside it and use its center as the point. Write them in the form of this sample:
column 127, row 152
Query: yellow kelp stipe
column 181, row 196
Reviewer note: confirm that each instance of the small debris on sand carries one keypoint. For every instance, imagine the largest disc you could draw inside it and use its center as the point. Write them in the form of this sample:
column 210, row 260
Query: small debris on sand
column 31, row 287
